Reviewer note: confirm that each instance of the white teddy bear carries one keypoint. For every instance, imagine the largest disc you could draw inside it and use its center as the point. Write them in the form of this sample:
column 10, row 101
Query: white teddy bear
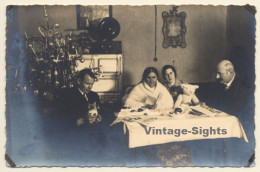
column 183, row 102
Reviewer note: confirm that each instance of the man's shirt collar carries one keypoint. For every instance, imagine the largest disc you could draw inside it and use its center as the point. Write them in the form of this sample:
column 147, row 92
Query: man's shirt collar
column 230, row 82
column 84, row 94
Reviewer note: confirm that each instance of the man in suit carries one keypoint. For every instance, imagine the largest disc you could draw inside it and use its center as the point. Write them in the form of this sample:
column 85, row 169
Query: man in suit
column 88, row 137
column 76, row 102
column 235, row 97
column 230, row 91
column 80, row 129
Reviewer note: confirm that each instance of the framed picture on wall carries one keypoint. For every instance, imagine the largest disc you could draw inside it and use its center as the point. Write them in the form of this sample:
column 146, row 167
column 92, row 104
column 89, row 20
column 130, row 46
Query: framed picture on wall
column 174, row 28
column 91, row 14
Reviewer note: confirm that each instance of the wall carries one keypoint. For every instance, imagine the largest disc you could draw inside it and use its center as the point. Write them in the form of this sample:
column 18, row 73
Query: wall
column 205, row 38
column 241, row 40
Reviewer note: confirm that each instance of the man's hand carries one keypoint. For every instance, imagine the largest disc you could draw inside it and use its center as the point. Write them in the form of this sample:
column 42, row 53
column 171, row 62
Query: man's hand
column 80, row 121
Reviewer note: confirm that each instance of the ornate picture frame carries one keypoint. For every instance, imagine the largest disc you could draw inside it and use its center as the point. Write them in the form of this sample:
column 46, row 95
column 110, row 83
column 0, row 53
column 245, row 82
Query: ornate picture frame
column 174, row 28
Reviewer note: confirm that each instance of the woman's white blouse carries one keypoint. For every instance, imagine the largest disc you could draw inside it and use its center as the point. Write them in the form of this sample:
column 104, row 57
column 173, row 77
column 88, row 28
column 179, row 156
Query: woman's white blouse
column 142, row 95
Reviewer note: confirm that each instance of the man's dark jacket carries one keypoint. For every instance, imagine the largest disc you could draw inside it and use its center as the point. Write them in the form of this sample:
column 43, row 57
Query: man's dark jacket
column 233, row 100
column 73, row 105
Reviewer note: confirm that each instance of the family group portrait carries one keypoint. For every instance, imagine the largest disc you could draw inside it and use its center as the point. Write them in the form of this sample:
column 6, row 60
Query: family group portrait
column 130, row 86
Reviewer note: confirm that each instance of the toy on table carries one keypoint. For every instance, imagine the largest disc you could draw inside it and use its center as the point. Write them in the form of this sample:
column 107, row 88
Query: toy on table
column 183, row 102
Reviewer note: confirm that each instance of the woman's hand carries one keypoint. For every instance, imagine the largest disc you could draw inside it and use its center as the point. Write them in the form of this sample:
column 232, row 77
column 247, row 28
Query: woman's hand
column 203, row 104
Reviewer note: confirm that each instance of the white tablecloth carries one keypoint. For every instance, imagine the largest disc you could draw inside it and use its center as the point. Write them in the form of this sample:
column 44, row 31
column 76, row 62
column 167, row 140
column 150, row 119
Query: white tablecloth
column 220, row 125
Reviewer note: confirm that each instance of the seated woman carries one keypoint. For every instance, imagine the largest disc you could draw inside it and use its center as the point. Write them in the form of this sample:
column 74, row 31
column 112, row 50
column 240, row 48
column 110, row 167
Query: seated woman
column 173, row 154
column 171, row 82
column 149, row 92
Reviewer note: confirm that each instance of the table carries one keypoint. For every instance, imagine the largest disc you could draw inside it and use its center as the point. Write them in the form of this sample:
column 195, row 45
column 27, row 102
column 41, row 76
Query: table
column 150, row 127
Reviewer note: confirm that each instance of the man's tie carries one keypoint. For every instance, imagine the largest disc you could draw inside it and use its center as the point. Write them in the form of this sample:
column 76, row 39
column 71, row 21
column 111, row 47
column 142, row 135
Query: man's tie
column 226, row 87
column 86, row 97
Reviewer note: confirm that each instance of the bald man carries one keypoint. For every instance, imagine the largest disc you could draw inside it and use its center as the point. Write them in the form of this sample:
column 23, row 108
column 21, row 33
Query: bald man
column 234, row 96
column 230, row 92
column 225, row 73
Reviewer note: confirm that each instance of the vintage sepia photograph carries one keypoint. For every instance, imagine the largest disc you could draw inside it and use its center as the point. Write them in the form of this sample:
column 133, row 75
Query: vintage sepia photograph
column 130, row 86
